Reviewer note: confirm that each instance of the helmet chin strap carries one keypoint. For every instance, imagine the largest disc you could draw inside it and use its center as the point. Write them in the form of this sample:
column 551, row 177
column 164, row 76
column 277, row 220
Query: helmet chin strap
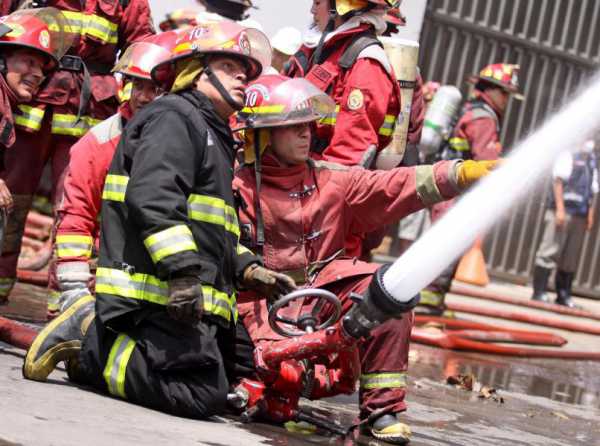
column 214, row 80
column 316, row 57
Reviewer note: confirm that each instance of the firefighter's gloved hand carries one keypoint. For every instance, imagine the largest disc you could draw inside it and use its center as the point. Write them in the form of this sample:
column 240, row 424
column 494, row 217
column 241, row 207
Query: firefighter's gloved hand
column 267, row 283
column 186, row 303
column 469, row 172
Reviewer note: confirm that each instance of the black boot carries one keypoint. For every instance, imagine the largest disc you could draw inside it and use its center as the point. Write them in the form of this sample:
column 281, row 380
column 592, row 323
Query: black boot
column 540, row 283
column 564, row 282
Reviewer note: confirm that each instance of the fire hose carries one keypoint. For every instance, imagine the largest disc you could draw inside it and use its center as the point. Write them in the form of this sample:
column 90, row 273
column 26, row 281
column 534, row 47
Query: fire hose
column 39, row 278
column 16, row 334
column 453, row 342
column 491, row 295
column 526, row 318
column 478, row 331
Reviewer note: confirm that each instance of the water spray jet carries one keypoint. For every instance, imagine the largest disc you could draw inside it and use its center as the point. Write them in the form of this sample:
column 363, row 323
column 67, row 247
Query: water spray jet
column 479, row 209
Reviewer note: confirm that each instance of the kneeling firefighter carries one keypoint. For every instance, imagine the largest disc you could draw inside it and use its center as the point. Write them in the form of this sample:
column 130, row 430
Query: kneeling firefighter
column 78, row 223
column 298, row 213
column 163, row 333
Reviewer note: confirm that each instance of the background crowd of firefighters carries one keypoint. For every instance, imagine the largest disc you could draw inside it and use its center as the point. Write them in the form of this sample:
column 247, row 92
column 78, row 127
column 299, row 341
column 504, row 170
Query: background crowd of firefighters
column 137, row 128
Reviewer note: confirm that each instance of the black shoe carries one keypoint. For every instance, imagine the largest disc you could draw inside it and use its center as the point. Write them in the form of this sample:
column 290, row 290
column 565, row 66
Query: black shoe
column 390, row 429
column 540, row 284
column 564, row 283
column 60, row 340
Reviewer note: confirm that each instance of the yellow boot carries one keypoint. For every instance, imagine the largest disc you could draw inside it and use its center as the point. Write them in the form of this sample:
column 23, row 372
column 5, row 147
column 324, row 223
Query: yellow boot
column 61, row 339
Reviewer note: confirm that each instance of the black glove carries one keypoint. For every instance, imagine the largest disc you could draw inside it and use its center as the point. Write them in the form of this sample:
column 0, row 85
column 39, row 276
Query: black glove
column 267, row 283
column 186, row 303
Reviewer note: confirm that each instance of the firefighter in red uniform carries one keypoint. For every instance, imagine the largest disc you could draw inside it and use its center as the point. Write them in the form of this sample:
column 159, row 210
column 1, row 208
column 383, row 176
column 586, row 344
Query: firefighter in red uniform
column 31, row 44
column 476, row 136
column 74, row 99
column 298, row 212
column 351, row 66
column 78, row 224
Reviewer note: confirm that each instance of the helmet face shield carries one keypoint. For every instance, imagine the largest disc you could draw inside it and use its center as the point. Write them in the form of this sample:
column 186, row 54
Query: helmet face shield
column 274, row 101
column 140, row 58
column 45, row 30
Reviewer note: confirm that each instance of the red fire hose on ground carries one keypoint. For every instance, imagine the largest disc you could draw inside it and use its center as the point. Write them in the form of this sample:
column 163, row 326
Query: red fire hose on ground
column 526, row 318
column 497, row 297
column 16, row 334
column 455, row 342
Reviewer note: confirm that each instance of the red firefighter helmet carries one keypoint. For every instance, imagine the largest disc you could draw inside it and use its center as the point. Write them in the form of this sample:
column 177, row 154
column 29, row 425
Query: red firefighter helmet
column 44, row 30
column 504, row 75
column 274, row 101
column 225, row 38
column 139, row 59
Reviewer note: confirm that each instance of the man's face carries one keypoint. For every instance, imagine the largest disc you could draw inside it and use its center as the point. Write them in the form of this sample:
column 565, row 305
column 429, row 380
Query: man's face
column 320, row 12
column 291, row 144
column 499, row 97
column 24, row 73
column 142, row 93
column 232, row 73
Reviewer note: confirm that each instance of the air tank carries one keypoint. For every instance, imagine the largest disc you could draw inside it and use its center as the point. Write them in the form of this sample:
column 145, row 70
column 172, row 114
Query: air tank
column 439, row 119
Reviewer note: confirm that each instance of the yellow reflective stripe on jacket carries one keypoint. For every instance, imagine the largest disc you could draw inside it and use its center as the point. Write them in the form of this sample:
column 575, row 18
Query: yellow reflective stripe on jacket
column 115, row 187
column 30, row 117
column 54, row 300
column 219, row 303
column 389, row 123
column 331, row 118
column 213, row 210
column 169, row 242
column 135, row 286
column 383, row 381
column 66, row 124
column 116, row 365
column 459, row 144
column 149, row 288
column 92, row 25
column 74, row 245
column 6, row 285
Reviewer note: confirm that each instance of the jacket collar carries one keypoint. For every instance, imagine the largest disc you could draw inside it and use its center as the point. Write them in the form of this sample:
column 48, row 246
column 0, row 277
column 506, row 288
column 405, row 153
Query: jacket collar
column 208, row 112
column 282, row 177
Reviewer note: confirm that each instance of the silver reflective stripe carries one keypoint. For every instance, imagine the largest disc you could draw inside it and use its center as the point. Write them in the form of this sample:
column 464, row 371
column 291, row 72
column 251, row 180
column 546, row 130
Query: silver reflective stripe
column 386, row 380
column 427, row 189
column 116, row 365
column 140, row 287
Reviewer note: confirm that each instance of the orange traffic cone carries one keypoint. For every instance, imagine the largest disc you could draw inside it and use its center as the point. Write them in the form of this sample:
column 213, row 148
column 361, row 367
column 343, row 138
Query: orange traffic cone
column 471, row 268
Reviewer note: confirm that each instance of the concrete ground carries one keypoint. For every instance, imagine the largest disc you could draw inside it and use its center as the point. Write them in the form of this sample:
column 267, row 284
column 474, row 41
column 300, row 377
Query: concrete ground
column 546, row 403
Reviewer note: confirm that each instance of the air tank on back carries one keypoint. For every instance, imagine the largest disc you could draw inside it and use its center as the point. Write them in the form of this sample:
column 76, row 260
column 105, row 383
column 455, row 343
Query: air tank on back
column 439, row 120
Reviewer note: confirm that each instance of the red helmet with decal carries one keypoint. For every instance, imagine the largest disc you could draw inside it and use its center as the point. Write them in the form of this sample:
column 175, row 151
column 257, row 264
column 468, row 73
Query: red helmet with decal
column 503, row 75
column 274, row 100
column 222, row 38
column 44, row 30
column 139, row 59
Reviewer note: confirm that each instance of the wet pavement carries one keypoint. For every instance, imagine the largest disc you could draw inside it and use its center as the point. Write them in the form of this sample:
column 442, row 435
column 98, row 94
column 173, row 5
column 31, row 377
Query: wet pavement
column 546, row 403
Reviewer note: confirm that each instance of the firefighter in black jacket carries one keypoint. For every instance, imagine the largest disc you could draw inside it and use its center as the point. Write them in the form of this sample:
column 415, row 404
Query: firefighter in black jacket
column 163, row 333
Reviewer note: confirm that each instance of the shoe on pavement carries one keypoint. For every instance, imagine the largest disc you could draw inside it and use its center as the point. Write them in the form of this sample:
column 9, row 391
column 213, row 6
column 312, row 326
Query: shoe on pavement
column 390, row 429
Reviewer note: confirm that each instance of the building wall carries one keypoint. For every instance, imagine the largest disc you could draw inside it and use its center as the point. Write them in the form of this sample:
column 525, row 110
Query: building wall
column 557, row 45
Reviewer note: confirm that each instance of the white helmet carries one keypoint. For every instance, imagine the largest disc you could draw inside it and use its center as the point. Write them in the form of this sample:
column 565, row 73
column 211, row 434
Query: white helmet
column 287, row 40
